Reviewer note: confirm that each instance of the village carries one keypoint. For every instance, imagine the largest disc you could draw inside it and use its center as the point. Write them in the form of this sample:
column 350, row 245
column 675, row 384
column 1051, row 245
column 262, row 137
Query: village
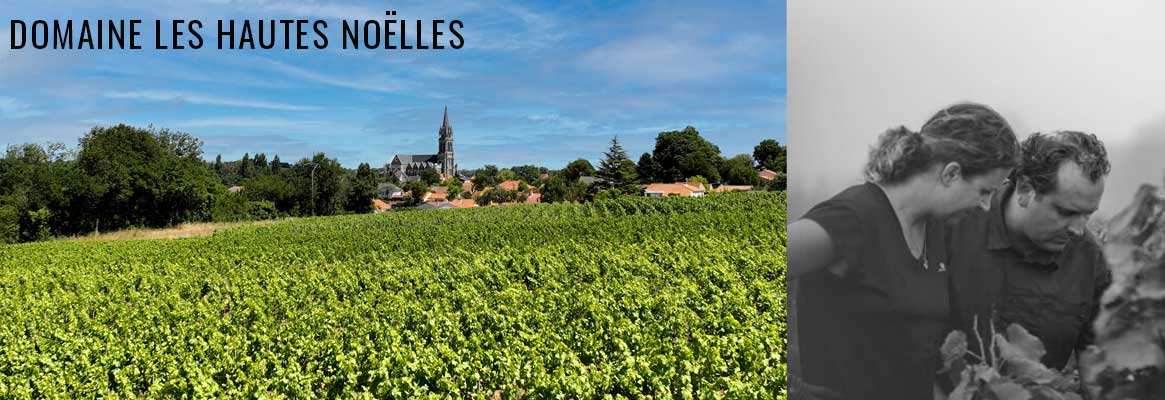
column 433, row 181
column 468, row 196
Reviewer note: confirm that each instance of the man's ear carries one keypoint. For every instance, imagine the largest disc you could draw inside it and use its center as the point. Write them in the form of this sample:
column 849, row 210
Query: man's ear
column 1024, row 191
column 950, row 173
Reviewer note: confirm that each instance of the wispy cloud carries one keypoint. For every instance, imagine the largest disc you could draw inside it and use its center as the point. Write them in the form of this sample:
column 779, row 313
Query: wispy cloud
column 328, row 10
column 159, row 95
column 278, row 123
column 562, row 121
column 11, row 108
column 664, row 59
column 5, row 37
column 382, row 84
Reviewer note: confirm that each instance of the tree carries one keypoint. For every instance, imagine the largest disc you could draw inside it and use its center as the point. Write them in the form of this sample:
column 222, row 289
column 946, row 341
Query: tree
column 185, row 190
column 578, row 168
column 245, row 166
column 430, row 176
column 527, row 173
column 738, row 170
column 362, row 190
column 186, row 187
column 9, row 224
column 646, row 169
column 506, row 175
column 261, row 162
column 218, row 164
column 559, row 189
column 685, row 153
column 121, row 160
column 486, row 176
column 453, row 187
column 617, row 169
column 143, row 177
column 277, row 189
column 770, row 155
column 328, row 188
column 497, row 195
column 417, row 189
column 276, row 165
column 780, row 184
column 43, row 190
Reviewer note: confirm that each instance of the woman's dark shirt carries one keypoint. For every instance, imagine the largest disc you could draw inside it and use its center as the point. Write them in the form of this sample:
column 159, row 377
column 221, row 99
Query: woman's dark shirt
column 873, row 330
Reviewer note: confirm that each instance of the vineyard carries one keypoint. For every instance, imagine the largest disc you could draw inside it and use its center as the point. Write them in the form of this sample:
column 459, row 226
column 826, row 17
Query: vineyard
column 664, row 298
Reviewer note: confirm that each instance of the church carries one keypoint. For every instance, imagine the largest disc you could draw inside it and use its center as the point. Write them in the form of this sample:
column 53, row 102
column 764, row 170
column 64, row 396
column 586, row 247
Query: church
column 408, row 167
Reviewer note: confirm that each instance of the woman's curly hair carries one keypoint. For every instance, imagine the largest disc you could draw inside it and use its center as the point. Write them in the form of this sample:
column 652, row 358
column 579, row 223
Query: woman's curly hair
column 972, row 135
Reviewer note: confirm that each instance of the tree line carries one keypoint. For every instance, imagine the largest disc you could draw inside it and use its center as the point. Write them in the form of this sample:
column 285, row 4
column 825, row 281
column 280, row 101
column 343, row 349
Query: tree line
column 121, row 176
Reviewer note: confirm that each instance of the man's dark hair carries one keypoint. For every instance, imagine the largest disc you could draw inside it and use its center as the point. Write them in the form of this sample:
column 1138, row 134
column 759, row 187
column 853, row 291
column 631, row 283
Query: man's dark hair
column 1042, row 154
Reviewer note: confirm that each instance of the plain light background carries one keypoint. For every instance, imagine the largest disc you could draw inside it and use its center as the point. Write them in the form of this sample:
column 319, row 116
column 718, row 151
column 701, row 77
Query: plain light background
column 857, row 68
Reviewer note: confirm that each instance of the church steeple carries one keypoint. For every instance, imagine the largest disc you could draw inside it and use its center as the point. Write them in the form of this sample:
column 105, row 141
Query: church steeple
column 445, row 123
column 445, row 146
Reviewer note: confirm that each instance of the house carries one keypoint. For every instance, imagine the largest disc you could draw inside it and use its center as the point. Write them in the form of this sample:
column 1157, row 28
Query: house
column 591, row 180
column 467, row 186
column 733, row 188
column 687, row 189
column 544, row 176
column 379, row 206
column 767, row 176
column 236, row 189
column 389, row 191
column 534, row 198
column 431, row 197
column 440, row 205
column 509, row 185
column 463, row 203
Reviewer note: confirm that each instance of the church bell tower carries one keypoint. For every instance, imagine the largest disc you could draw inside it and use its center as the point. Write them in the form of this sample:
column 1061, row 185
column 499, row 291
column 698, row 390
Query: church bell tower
column 445, row 147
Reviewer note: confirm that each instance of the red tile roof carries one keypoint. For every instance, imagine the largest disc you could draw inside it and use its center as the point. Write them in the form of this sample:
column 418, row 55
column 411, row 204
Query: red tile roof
column 733, row 188
column 431, row 197
column 675, row 189
column 534, row 198
column 767, row 175
column 463, row 203
column 380, row 205
column 509, row 185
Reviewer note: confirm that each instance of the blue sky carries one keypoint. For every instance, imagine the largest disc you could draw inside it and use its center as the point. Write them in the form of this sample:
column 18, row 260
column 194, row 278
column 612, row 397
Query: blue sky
column 536, row 82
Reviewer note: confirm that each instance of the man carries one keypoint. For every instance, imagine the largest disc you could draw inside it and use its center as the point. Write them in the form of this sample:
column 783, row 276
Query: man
column 1029, row 259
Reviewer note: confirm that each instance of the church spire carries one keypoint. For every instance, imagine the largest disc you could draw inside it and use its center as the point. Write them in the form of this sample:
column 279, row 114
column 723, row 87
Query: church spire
column 446, row 122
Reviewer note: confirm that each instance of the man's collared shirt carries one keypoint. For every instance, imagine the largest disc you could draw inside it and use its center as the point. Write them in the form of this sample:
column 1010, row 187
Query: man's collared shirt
column 1053, row 295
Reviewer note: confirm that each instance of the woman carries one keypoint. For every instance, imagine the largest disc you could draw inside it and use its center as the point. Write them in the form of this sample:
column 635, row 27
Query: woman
column 867, row 268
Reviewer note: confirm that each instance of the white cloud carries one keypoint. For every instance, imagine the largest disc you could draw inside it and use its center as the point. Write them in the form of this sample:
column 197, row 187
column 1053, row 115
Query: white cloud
column 5, row 37
column 665, row 58
column 382, row 84
column 155, row 95
column 562, row 122
column 271, row 123
column 11, row 108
